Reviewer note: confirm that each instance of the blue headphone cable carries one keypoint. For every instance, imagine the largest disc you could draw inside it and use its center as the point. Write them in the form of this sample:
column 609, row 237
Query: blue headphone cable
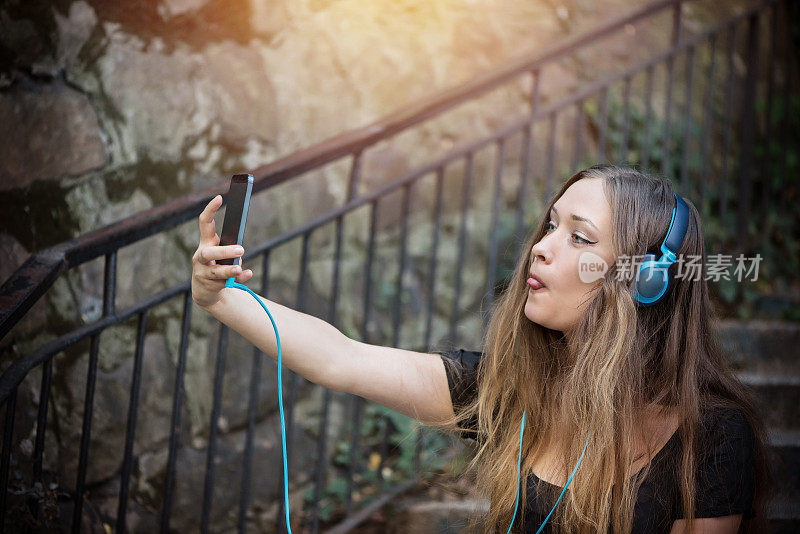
column 519, row 465
column 231, row 283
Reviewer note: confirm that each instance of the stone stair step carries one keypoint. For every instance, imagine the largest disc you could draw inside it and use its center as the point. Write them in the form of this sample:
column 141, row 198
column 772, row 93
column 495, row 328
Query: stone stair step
column 784, row 526
column 784, row 516
column 777, row 396
column 783, row 508
column 446, row 517
column 761, row 345
column 437, row 517
column 785, row 444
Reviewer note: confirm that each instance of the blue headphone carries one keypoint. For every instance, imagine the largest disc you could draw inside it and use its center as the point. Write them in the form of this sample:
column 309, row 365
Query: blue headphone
column 650, row 285
column 652, row 279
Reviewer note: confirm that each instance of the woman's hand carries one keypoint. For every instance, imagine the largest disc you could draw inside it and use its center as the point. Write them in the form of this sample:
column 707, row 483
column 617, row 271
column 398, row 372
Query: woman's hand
column 208, row 278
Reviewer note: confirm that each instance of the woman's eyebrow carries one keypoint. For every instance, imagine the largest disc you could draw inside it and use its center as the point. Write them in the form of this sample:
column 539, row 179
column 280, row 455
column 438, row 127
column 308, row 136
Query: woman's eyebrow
column 577, row 218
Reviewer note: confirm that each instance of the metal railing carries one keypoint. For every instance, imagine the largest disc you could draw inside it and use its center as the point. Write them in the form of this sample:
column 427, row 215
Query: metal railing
column 595, row 137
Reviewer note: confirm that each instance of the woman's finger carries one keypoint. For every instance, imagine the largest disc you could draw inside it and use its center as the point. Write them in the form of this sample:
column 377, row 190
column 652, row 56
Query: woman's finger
column 244, row 276
column 206, row 220
column 209, row 253
column 225, row 271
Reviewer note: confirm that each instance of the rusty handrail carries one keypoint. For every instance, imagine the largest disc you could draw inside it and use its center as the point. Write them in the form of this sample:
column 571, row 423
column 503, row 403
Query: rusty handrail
column 35, row 276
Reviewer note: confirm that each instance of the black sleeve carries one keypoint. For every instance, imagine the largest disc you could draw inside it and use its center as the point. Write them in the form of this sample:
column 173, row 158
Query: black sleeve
column 726, row 469
column 461, row 367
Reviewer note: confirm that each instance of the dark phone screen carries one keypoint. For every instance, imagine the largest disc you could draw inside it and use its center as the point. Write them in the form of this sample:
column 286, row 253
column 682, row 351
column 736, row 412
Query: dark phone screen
column 237, row 201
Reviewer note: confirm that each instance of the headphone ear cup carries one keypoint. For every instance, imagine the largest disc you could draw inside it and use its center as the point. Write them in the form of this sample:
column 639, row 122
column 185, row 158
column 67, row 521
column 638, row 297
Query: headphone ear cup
column 651, row 281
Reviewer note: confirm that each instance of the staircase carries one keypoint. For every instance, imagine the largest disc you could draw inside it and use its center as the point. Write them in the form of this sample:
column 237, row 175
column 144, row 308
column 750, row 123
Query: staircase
column 766, row 355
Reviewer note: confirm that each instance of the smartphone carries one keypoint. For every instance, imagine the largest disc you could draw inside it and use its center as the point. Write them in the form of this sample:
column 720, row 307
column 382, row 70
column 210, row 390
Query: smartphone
column 237, row 202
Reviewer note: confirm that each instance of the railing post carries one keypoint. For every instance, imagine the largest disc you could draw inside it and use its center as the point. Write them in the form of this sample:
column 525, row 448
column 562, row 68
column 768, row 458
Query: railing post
column 676, row 38
column 726, row 146
column 462, row 240
column 687, row 120
column 767, row 158
column 497, row 199
column 216, row 408
column 626, row 120
column 130, row 434
column 86, row 430
column 747, row 133
column 5, row 461
column 175, row 425
column 709, row 113
column 110, row 284
column 648, row 99
column 578, row 148
column 527, row 149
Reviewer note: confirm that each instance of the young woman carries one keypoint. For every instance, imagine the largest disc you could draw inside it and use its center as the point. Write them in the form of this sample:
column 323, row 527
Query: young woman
column 668, row 439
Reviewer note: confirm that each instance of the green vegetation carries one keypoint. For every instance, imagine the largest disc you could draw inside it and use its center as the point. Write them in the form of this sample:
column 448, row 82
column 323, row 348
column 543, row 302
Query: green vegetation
column 397, row 467
column 773, row 228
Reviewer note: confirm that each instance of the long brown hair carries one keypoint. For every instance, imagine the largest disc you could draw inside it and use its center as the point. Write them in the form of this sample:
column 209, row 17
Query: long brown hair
column 619, row 356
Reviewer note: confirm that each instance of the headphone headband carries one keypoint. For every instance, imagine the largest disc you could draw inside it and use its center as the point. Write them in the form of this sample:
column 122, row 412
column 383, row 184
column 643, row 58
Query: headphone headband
column 677, row 226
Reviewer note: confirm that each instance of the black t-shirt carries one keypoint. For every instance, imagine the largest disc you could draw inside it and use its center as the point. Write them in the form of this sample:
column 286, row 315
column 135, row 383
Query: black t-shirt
column 725, row 473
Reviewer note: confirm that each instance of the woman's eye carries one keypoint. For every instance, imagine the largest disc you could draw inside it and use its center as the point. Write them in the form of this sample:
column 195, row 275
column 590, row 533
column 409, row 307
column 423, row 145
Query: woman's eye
column 576, row 237
column 580, row 239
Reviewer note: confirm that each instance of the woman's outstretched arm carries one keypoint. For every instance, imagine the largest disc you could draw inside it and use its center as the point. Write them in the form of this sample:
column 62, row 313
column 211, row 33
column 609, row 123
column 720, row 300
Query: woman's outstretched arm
column 412, row 383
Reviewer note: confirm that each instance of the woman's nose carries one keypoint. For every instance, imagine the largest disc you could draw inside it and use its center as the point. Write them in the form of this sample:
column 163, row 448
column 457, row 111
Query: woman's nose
column 540, row 252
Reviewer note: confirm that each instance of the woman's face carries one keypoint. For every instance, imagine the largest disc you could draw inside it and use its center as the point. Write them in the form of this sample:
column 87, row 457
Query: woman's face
column 571, row 257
